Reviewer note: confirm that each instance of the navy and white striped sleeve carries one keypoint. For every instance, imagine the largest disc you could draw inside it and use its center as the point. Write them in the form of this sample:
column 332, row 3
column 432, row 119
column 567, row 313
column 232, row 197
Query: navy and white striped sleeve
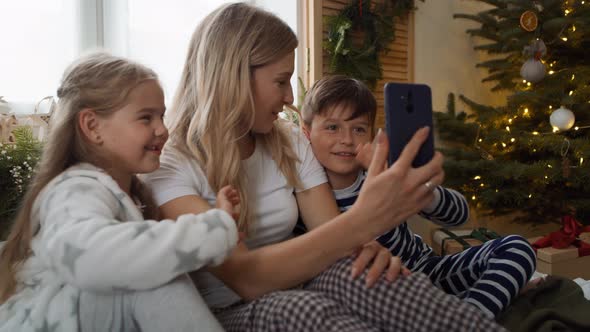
column 450, row 208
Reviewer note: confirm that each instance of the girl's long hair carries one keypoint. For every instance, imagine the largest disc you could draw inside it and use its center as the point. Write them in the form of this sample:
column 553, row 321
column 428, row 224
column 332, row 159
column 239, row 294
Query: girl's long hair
column 214, row 105
column 97, row 81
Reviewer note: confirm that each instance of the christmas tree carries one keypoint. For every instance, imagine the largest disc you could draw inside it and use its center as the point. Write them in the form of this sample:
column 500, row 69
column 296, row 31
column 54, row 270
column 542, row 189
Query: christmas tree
column 529, row 157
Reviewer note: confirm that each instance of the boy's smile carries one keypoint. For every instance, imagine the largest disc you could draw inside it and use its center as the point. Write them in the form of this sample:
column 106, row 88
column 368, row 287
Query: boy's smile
column 334, row 138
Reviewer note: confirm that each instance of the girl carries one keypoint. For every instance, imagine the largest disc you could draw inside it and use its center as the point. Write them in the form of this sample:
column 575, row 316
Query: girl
column 225, row 132
column 80, row 256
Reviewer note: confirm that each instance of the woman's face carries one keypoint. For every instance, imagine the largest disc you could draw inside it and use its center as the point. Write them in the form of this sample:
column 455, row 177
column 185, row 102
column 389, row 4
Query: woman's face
column 271, row 86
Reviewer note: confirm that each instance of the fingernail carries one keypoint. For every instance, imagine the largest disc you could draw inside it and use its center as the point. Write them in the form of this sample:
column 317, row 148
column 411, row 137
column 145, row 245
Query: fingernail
column 353, row 272
column 380, row 136
column 368, row 282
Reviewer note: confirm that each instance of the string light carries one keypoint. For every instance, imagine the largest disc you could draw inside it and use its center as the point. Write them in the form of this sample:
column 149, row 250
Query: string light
column 573, row 76
column 550, row 106
column 581, row 161
column 503, row 144
column 571, row 92
column 551, row 72
column 512, row 139
column 528, row 84
column 530, row 195
column 473, row 198
column 549, row 166
column 524, row 81
column 477, row 177
column 535, row 133
column 573, row 28
column 566, row 12
column 576, row 128
column 564, row 38
column 509, row 121
column 507, row 129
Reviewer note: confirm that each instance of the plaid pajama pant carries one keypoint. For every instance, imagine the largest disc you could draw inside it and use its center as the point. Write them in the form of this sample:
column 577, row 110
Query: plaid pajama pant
column 333, row 302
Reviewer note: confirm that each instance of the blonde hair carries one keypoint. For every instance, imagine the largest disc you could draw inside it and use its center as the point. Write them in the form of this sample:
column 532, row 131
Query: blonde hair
column 214, row 105
column 100, row 82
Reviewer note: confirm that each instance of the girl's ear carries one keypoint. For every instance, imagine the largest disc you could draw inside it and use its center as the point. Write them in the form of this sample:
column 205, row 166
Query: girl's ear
column 89, row 125
column 305, row 130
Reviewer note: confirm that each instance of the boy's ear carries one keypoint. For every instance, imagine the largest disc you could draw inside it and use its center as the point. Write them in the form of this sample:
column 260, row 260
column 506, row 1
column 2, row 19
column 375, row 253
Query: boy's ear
column 305, row 130
column 89, row 125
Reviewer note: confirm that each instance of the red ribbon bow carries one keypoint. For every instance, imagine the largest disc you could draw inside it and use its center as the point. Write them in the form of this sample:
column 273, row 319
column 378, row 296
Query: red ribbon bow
column 567, row 235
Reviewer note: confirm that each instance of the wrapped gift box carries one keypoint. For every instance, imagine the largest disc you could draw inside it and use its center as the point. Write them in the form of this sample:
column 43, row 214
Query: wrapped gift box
column 443, row 244
column 563, row 262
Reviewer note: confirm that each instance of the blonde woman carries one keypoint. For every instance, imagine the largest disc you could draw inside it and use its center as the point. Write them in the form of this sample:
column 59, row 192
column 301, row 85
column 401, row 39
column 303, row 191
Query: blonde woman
column 225, row 130
column 80, row 256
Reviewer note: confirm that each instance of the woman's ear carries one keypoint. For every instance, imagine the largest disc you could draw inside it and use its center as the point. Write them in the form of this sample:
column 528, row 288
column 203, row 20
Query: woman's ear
column 305, row 129
column 89, row 125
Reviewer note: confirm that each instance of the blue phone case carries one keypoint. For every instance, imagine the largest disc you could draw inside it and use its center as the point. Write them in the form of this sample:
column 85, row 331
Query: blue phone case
column 408, row 107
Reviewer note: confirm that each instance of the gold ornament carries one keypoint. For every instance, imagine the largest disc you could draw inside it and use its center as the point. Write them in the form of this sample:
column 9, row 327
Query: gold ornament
column 529, row 21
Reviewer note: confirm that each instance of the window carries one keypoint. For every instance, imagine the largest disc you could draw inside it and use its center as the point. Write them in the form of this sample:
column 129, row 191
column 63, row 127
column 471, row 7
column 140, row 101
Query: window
column 51, row 33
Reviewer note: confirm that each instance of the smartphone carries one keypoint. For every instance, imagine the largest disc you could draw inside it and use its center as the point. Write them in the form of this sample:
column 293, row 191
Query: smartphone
column 408, row 107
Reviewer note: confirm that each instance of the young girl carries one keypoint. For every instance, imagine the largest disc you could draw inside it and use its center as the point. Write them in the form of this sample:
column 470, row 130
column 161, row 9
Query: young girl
column 80, row 256
column 225, row 131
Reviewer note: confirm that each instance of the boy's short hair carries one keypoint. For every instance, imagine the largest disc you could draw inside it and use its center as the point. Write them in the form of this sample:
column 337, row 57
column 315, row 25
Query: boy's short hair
column 339, row 90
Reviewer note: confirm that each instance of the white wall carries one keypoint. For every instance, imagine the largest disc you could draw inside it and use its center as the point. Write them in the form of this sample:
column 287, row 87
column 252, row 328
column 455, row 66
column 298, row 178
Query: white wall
column 444, row 55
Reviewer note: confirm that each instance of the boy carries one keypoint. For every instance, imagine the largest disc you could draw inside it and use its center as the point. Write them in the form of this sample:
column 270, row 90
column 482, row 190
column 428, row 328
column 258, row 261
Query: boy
column 338, row 117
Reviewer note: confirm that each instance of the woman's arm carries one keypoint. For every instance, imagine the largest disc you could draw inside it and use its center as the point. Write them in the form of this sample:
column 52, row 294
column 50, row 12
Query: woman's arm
column 252, row 273
column 387, row 198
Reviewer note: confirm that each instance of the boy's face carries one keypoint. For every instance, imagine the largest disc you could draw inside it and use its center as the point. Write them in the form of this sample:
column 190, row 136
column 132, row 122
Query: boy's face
column 334, row 138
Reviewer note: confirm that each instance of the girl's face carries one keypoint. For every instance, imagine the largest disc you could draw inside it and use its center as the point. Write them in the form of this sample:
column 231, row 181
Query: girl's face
column 133, row 136
column 271, row 86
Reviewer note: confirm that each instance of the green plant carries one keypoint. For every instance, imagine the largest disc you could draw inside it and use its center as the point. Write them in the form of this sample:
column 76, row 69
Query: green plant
column 375, row 24
column 17, row 164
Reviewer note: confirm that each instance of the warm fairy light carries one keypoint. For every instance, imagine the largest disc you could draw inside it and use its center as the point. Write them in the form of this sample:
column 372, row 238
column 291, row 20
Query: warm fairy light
column 555, row 129
column 564, row 38
column 573, row 28
column 550, row 106
column 526, row 110
column 496, row 190
column 581, row 161
column 546, row 177
column 576, row 128
column 524, row 81
column 571, row 92
column 551, row 72
column 507, row 129
column 551, row 65
column 534, row 150
column 477, row 177
column 480, row 140
column 503, row 144
column 530, row 195
column 481, row 184
column 573, row 76
column 535, row 133
column 528, row 84
column 473, row 198
column 512, row 139
column 510, row 121
column 567, row 11
column 549, row 166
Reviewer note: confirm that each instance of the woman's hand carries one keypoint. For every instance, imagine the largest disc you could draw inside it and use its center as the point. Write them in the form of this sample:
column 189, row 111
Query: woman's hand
column 392, row 194
column 382, row 261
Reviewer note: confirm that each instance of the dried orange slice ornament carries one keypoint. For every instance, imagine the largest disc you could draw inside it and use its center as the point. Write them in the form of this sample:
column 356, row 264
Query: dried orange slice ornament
column 529, row 21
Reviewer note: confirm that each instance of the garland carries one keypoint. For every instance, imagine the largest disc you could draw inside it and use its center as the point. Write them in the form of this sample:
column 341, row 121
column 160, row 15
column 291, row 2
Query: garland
column 376, row 26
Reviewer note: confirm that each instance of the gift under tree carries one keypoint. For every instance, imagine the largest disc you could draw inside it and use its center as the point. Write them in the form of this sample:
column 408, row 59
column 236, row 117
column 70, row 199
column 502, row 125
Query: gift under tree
column 529, row 157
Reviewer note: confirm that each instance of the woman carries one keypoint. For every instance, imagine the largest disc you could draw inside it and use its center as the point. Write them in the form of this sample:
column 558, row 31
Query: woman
column 225, row 131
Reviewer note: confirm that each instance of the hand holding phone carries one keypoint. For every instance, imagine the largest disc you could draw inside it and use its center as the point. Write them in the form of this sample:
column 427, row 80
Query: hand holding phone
column 408, row 107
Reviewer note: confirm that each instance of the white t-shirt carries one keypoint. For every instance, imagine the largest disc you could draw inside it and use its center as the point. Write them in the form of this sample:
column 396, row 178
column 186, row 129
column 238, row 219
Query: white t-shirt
column 274, row 208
